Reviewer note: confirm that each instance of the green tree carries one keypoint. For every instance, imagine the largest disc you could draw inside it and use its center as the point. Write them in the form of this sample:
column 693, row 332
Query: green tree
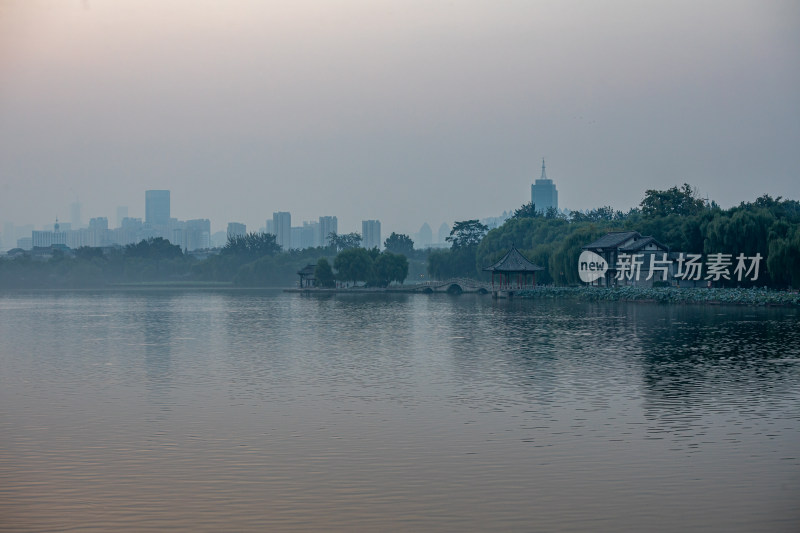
column 467, row 234
column 600, row 214
column 354, row 264
column 389, row 267
column 324, row 273
column 344, row 242
column 783, row 261
column 563, row 267
column 552, row 212
column 252, row 245
column 154, row 248
column 399, row 243
column 400, row 269
column 453, row 263
column 88, row 252
column 680, row 201
column 526, row 211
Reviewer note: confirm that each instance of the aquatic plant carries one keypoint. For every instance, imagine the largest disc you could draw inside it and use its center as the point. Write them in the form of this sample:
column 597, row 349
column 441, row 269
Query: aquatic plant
column 750, row 296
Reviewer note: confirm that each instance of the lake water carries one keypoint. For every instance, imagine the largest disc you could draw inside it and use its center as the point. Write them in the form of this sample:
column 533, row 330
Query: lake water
column 255, row 411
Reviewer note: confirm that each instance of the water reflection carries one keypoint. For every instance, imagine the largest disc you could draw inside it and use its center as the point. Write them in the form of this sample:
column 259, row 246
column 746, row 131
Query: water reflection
column 157, row 320
column 262, row 410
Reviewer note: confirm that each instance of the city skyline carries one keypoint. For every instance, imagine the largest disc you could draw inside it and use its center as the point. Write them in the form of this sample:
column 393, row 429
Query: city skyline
column 406, row 112
column 163, row 206
column 157, row 203
column 194, row 234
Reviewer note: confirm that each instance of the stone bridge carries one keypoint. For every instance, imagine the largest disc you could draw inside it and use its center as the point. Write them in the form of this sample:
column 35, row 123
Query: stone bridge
column 454, row 286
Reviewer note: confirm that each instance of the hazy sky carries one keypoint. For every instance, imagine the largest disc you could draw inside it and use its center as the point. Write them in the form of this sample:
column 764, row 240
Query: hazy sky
column 406, row 111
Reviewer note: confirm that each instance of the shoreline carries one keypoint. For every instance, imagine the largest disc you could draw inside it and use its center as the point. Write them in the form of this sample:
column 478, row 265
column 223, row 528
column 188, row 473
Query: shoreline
column 669, row 295
column 658, row 295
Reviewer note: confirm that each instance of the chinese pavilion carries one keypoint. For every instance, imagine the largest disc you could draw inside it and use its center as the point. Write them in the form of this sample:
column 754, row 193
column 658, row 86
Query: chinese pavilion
column 514, row 271
column 307, row 276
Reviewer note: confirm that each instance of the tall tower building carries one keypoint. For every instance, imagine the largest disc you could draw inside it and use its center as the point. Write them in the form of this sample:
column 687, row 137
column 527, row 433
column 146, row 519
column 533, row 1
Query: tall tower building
column 156, row 207
column 327, row 225
column 282, row 226
column 543, row 193
column 75, row 215
column 371, row 234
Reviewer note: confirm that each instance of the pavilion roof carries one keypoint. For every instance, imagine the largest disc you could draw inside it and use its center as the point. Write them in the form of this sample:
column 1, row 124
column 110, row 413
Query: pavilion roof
column 513, row 261
column 307, row 270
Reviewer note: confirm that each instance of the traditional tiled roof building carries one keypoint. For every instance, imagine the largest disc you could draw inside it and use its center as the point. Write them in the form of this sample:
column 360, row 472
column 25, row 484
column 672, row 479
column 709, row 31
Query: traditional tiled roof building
column 513, row 271
column 624, row 244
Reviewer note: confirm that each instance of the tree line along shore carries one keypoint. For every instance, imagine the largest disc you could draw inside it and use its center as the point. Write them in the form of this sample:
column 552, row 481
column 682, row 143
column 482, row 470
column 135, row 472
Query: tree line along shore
column 677, row 217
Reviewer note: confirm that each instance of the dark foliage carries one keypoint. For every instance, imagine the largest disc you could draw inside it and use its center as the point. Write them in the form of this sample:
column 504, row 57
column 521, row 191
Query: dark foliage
column 466, row 234
column 674, row 201
column 344, row 242
column 399, row 243
column 154, row 248
column 324, row 274
column 251, row 246
column 526, row 211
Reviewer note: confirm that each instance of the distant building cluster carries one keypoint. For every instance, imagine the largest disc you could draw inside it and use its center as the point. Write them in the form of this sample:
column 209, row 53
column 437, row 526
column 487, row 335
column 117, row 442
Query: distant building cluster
column 192, row 235
column 424, row 237
column 309, row 235
column 188, row 234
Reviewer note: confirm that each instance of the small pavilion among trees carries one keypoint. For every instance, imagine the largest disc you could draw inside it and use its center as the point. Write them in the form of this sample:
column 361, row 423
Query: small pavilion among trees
column 307, row 276
column 514, row 272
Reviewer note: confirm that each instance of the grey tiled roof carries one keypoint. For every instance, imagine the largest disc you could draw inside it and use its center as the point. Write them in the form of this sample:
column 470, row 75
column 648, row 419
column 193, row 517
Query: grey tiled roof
column 307, row 270
column 641, row 243
column 612, row 240
column 513, row 261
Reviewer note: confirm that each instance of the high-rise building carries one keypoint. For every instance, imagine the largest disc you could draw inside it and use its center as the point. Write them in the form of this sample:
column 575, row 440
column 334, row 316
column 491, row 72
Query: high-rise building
column 75, row 215
column 282, row 223
column 192, row 234
column 297, row 238
column 122, row 213
column 424, row 237
column 443, row 233
column 130, row 231
column 236, row 229
column 198, row 234
column 99, row 223
column 45, row 239
column 543, row 193
column 269, row 227
column 97, row 234
column 219, row 239
column 156, row 207
column 327, row 225
column 371, row 234
column 310, row 235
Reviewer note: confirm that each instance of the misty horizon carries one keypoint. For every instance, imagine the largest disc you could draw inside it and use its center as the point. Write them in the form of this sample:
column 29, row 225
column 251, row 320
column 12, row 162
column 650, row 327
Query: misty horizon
column 403, row 112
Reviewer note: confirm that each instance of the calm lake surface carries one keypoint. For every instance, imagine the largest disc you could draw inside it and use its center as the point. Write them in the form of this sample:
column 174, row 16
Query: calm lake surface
column 254, row 411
